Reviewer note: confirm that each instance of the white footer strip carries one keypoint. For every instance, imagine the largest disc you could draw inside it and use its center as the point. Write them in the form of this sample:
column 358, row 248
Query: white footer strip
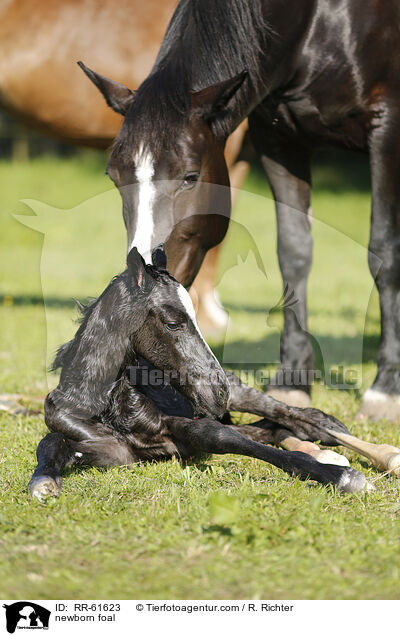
column 194, row 617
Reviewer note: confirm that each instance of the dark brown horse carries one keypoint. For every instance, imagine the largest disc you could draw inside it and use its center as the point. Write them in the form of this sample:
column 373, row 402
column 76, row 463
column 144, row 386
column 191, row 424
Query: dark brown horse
column 306, row 73
column 41, row 84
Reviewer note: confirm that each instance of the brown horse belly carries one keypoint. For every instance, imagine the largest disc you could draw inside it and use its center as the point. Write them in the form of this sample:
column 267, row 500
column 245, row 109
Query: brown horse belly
column 41, row 42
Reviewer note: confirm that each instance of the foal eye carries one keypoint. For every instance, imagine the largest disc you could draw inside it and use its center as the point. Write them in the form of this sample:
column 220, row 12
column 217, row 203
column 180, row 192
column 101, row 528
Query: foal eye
column 173, row 326
column 190, row 180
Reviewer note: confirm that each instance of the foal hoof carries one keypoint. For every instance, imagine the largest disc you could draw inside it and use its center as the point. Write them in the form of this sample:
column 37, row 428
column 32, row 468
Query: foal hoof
column 354, row 481
column 394, row 465
column 42, row 487
column 296, row 397
column 330, row 457
column 377, row 405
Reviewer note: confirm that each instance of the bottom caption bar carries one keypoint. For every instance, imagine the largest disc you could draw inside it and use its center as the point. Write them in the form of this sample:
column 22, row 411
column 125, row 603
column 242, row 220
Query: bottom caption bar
column 134, row 616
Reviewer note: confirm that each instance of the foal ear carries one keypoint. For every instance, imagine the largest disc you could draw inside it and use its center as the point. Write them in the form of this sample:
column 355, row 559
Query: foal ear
column 136, row 267
column 214, row 99
column 159, row 257
column 116, row 95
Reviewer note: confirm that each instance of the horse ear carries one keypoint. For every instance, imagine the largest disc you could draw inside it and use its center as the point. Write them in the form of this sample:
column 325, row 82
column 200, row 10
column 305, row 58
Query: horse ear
column 136, row 266
column 159, row 257
column 214, row 99
column 116, row 95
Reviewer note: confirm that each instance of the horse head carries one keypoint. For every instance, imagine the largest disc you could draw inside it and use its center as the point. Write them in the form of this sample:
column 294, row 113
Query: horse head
column 168, row 164
column 144, row 314
column 165, row 333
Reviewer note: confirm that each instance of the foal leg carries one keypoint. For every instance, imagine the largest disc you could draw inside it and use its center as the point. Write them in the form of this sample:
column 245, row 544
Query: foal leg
column 383, row 456
column 73, row 440
column 269, row 433
column 310, row 424
column 209, row 436
column 306, row 424
column 53, row 454
column 287, row 167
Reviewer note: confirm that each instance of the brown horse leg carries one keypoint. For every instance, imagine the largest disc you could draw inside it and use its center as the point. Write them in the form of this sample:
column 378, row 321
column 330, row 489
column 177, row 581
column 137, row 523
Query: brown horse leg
column 211, row 316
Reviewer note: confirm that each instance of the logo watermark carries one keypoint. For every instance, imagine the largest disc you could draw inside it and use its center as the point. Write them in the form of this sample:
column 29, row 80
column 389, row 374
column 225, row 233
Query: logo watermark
column 26, row 615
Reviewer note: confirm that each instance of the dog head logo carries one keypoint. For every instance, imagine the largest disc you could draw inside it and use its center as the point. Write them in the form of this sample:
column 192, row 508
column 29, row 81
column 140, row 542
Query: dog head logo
column 26, row 615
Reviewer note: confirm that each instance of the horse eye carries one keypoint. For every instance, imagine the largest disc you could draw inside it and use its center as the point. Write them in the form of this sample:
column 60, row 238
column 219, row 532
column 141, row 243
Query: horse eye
column 190, row 179
column 173, row 326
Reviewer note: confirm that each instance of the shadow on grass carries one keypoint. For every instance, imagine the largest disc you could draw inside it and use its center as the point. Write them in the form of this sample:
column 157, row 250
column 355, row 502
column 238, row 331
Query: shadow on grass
column 36, row 299
column 347, row 313
column 339, row 350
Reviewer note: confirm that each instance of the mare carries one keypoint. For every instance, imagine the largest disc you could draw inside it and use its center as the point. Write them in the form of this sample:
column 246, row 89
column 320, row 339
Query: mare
column 329, row 75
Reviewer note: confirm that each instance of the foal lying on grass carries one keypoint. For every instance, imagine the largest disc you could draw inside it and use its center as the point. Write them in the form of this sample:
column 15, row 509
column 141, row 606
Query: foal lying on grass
column 105, row 412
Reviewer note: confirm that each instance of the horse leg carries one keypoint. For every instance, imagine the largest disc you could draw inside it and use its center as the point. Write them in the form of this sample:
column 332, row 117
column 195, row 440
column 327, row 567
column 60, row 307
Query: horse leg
column 56, row 452
column 382, row 456
column 269, row 433
column 382, row 400
column 309, row 425
column 53, row 454
column 292, row 199
column 74, row 440
column 288, row 169
column 324, row 456
column 209, row 436
column 211, row 316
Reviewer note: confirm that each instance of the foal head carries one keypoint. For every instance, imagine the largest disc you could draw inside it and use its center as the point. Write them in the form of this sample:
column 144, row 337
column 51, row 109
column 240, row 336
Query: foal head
column 164, row 332
column 168, row 163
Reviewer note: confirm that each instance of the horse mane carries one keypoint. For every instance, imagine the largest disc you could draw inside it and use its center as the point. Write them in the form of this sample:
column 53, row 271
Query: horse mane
column 232, row 33
column 85, row 309
column 207, row 41
column 66, row 350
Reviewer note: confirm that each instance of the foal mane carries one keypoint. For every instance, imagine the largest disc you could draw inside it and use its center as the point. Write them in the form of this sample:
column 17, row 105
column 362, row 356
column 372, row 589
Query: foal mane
column 118, row 286
column 207, row 41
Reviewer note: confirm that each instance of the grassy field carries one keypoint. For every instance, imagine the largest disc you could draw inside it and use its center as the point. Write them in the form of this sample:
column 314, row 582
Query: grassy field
column 223, row 527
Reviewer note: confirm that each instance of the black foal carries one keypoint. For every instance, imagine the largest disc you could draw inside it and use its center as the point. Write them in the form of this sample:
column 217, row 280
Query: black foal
column 138, row 382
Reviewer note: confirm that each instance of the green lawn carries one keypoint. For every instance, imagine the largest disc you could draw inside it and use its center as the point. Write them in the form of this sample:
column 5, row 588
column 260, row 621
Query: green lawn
column 223, row 527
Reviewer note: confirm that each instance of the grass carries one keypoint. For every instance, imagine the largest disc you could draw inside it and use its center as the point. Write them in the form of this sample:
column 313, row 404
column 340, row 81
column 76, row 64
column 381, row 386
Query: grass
column 222, row 527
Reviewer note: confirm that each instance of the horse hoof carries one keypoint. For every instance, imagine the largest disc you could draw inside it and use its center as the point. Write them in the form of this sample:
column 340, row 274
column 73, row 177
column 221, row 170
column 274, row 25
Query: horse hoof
column 291, row 398
column 354, row 481
column 377, row 405
column 42, row 487
column 394, row 465
column 330, row 457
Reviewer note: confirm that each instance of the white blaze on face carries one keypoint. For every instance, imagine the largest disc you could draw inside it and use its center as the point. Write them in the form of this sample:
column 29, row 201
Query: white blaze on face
column 144, row 171
column 188, row 305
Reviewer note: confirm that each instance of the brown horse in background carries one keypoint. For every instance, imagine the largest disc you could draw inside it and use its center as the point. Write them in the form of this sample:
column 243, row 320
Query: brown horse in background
column 41, row 84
